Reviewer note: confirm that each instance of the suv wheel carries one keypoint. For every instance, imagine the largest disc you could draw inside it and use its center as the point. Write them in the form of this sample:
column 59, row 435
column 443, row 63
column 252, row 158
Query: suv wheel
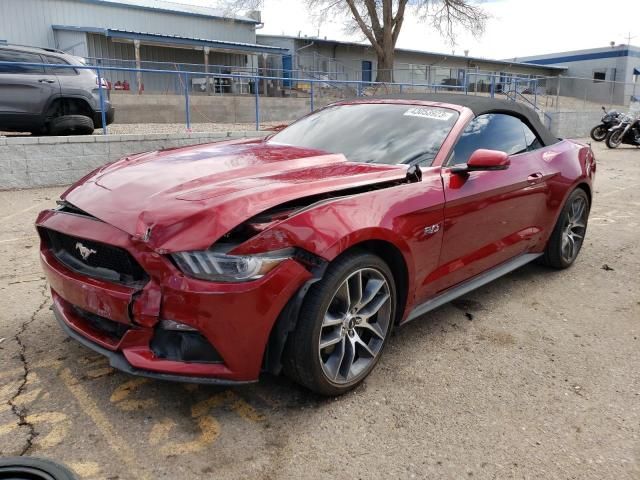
column 343, row 326
column 71, row 125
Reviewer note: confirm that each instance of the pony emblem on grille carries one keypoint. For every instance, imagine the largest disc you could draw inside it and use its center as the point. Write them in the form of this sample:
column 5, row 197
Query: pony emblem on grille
column 84, row 251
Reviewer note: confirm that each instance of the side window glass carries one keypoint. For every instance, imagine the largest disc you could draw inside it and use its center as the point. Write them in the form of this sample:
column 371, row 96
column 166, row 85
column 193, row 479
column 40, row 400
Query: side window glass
column 13, row 56
column 530, row 138
column 492, row 131
column 60, row 70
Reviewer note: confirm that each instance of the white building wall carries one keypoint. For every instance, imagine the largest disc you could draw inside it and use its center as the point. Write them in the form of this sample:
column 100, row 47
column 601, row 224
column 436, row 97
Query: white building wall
column 581, row 84
column 28, row 22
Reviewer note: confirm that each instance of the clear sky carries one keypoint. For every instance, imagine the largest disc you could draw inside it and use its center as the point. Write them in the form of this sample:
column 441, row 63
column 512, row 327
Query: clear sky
column 517, row 27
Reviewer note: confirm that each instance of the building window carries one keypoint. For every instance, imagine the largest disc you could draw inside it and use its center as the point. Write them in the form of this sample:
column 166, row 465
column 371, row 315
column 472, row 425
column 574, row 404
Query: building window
column 599, row 76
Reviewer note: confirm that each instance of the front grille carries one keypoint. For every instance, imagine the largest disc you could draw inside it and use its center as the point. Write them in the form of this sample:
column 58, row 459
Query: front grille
column 101, row 261
column 114, row 330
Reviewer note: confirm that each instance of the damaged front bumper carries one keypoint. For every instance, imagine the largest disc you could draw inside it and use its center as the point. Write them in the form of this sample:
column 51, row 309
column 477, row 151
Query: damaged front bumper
column 228, row 324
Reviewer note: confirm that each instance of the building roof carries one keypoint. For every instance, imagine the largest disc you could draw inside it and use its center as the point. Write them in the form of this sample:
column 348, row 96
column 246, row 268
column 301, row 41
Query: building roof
column 166, row 39
column 480, row 105
column 586, row 54
column 177, row 8
column 423, row 52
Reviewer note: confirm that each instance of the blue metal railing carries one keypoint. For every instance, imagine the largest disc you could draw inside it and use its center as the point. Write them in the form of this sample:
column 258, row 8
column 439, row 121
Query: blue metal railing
column 184, row 75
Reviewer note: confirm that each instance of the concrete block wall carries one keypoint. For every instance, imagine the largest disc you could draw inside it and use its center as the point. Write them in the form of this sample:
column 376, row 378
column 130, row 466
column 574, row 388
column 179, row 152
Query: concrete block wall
column 152, row 108
column 29, row 162
column 572, row 124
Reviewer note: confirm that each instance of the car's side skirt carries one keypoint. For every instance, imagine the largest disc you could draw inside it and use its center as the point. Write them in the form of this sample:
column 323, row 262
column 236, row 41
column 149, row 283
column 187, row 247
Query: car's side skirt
column 471, row 284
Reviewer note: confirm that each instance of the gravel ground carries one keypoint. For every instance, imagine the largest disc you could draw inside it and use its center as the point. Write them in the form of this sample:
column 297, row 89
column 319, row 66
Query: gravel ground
column 533, row 376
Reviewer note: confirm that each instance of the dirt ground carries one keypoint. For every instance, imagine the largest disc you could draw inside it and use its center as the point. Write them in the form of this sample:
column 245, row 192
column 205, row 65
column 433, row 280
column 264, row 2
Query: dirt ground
column 536, row 375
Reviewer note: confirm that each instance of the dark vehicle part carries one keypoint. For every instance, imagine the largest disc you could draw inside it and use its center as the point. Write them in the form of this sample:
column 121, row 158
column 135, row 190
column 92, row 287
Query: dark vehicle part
column 29, row 468
column 627, row 132
column 608, row 120
column 183, row 346
column 71, row 125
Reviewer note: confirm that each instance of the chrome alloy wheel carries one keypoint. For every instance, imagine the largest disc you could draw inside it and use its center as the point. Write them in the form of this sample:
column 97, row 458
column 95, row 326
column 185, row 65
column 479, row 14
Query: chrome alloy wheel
column 574, row 229
column 355, row 325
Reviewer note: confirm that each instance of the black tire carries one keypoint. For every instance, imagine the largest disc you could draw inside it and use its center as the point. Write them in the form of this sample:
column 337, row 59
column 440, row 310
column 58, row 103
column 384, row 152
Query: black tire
column 553, row 254
column 614, row 139
column 36, row 132
column 599, row 133
column 71, row 125
column 302, row 356
column 29, row 468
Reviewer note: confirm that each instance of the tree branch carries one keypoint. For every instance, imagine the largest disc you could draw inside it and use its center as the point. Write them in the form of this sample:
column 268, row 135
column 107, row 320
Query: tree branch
column 363, row 26
column 397, row 21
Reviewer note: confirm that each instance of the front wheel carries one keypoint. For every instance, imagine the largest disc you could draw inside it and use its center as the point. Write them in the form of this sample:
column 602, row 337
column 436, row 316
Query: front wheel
column 599, row 133
column 343, row 326
column 615, row 139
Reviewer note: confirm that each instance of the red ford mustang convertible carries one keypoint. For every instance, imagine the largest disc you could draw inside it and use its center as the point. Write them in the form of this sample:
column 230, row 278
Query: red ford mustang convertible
column 300, row 252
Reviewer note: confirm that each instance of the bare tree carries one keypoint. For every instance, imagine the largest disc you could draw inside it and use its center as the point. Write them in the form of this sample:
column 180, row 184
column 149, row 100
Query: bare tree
column 380, row 21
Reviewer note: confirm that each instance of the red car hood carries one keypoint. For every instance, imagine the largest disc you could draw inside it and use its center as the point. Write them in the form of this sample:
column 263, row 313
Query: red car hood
column 187, row 198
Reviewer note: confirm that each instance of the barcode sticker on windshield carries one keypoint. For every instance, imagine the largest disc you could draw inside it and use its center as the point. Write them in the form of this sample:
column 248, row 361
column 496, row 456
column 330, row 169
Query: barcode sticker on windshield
column 435, row 114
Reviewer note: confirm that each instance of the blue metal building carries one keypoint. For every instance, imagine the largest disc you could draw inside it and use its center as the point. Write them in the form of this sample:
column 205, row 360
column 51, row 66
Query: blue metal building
column 142, row 33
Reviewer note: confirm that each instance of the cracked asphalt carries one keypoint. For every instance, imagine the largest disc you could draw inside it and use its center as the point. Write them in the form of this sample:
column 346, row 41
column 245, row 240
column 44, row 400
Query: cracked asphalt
column 533, row 376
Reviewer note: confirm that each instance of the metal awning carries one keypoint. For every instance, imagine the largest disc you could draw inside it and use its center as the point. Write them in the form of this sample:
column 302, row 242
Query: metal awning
column 165, row 40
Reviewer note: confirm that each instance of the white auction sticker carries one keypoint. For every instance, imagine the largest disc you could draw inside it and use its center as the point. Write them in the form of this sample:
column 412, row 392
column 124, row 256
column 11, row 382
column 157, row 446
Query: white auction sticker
column 424, row 112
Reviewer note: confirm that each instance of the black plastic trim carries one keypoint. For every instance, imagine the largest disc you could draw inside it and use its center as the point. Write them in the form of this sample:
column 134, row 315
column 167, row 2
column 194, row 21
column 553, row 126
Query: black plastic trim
column 287, row 321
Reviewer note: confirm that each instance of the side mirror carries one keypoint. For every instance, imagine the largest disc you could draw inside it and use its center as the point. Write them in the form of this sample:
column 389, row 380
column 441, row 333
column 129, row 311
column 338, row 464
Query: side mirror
column 483, row 160
column 604, row 109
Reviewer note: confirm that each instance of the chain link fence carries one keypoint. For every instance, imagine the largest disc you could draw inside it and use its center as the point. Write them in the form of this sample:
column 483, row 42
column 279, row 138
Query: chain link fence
column 260, row 97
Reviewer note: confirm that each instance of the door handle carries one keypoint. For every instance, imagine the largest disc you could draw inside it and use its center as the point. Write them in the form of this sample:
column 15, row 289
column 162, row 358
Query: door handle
column 535, row 178
column 46, row 80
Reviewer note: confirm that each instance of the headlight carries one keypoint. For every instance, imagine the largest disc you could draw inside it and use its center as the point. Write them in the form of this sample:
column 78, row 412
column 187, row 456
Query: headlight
column 220, row 267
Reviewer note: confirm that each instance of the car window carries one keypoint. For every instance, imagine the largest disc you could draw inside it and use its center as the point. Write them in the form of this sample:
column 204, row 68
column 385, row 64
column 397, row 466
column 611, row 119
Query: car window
column 492, row 131
column 58, row 70
column 532, row 141
column 14, row 56
column 373, row 132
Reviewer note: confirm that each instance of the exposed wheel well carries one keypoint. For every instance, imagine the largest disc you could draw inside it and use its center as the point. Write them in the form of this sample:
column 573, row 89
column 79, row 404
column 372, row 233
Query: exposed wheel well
column 393, row 257
column 587, row 190
column 68, row 106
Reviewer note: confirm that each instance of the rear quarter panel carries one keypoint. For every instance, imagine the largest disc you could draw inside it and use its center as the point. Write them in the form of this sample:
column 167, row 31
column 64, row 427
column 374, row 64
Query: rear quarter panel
column 568, row 164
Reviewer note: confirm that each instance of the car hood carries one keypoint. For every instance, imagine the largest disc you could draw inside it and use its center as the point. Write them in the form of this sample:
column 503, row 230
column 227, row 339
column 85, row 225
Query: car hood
column 186, row 198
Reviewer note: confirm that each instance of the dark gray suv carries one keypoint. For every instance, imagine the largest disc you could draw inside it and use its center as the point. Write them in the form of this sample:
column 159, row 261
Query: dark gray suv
column 49, row 100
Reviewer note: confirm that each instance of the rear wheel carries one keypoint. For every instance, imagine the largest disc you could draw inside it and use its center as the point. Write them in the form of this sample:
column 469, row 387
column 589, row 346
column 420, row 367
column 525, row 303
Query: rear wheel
column 599, row 133
column 615, row 139
column 568, row 234
column 343, row 325
column 71, row 125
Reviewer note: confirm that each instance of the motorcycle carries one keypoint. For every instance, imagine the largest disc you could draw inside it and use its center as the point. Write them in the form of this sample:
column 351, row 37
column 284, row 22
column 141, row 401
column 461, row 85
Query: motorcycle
column 608, row 120
column 627, row 131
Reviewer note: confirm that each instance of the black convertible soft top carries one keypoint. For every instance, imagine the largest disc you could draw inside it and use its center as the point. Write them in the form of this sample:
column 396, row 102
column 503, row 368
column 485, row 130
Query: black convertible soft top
column 480, row 105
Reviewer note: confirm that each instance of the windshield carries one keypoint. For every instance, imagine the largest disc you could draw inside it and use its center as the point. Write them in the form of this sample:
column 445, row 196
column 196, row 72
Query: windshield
column 373, row 132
